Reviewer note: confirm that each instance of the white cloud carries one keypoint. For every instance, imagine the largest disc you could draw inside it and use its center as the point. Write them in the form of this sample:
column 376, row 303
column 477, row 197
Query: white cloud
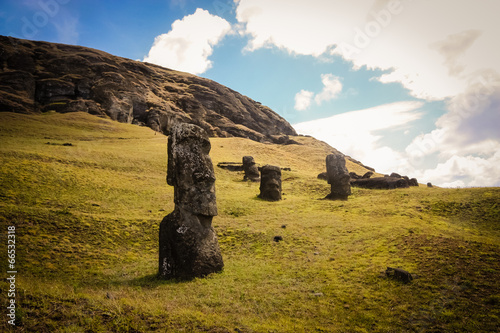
column 354, row 133
column 439, row 50
column 190, row 42
column 331, row 88
column 432, row 47
column 303, row 100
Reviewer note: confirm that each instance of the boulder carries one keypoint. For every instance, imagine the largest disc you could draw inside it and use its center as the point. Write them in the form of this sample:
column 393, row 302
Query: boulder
column 387, row 183
column 395, row 175
column 413, row 182
column 429, row 184
column 250, row 168
column 338, row 177
column 323, row 176
column 367, row 175
column 270, row 183
column 188, row 245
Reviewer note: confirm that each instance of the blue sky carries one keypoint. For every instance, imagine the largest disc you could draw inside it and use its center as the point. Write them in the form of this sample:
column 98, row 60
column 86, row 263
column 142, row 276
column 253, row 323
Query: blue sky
column 402, row 85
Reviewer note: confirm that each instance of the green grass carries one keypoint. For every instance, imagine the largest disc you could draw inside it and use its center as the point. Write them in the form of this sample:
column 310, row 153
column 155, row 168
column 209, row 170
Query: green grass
column 87, row 219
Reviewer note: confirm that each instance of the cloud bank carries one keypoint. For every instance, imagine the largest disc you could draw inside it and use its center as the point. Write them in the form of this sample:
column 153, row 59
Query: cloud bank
column 438, row 50
column 189, row 44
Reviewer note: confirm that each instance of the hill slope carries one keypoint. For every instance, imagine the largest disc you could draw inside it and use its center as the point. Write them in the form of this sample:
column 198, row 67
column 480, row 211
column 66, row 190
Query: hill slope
column 87, row 217
column 39, row 76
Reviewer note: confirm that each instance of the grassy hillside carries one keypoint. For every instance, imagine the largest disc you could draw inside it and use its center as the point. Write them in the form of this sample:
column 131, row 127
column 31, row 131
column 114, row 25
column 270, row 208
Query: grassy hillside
column 87, row 218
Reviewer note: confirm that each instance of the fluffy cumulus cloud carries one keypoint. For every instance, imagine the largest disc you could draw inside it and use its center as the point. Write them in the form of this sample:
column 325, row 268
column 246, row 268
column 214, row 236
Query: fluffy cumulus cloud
column 355, row 133
column 303, row 100
column 438, row 50
column 189, row 44
column 332, row 86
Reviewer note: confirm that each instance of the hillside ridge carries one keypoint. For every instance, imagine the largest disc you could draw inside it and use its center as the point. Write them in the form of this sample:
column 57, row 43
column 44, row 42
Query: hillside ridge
column 37, row 77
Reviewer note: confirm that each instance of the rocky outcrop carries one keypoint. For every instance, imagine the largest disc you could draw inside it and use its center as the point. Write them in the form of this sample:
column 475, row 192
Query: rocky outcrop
column 39, row 77
column 338, row 177
column 188, row 245
column 270, row 183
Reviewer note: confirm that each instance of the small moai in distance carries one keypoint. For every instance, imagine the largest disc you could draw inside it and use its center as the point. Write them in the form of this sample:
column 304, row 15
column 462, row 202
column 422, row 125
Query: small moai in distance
column 270, row 183
column 188, row 245
column 338, row 177
column 250, row 168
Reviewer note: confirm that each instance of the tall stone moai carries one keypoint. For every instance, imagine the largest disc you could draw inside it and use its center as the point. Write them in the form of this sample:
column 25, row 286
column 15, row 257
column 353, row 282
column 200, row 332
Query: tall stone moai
column 338, row 177
column 251, row 169
column 188, row 243
column 270, row 183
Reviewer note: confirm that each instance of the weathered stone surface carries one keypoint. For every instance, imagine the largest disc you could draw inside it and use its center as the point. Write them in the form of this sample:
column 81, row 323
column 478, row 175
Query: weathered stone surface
column 353, row 175
column 39, row 76
column 395, row 175
column 399, row 274
column 270, row 183
column 387, row 183
column 413, row 182
column 367, row 175
column 338, row 177
column 251, row 169
column 187, row 240
column 429, row 185
column 323, row 176
column 230, row 166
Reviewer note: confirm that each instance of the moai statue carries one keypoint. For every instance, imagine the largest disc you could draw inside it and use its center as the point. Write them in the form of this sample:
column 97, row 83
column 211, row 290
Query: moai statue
column 188, row 243
column 338, row 177
column 270, row 183
column 251, row 169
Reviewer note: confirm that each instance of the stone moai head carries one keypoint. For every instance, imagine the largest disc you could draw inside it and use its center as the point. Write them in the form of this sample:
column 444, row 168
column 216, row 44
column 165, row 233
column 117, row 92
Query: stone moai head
column 338, row 177
column 190, row 170
column 270, row 183
column 251, row 169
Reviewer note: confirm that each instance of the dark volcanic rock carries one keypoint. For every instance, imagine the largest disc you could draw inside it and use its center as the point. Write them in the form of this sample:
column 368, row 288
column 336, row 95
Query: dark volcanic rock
column 380, row 183
column 188, row 245
column 323, row 176
column 231, row 166
column 413, row 182
column 338, row 177
column 395, row 175
column 270, row 183
column 251, row 169
column 367, row 175
column 354, row 175
column 39, row 76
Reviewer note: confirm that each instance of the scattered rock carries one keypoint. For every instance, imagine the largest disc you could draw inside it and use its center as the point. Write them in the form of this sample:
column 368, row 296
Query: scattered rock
column 338, row 177
column 413, row 182
column 283, row 226
column 323, row 176
column 278, row 238
column 399, row 274
column 188, row 242
column 429, row 184
column 354, row 175
column 251, row 169
column 395, row 175
column 367, row 175
column 270, row 183
column 230, row 166
column 387, row 183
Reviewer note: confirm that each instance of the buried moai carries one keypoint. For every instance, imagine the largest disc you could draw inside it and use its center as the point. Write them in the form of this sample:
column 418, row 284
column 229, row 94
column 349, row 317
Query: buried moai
column 188, row 243
column 251, row 169
column 270, row 183
column 338, row 177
